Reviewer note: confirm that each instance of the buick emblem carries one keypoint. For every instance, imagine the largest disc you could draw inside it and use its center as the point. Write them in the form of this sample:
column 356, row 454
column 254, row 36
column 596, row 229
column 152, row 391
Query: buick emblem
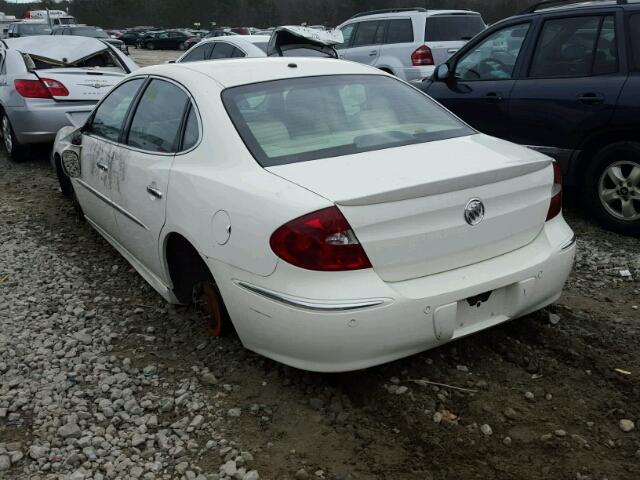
column 474, row 211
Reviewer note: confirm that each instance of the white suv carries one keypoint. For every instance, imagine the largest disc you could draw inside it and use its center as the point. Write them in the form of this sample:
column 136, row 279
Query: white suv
column 407, row 42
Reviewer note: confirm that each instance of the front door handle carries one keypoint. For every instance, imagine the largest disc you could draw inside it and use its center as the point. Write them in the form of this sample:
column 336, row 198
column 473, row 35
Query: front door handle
column 154, row 191
column 102, row 166
column 591, row 98
column 493, row 97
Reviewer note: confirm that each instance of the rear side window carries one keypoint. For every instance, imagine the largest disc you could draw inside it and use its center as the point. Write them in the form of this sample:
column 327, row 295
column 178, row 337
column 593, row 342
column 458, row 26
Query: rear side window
column 237, row 53
column 191, row 132
column 158, row 117
column 451, row 28
column 109, row 117
column 575, row 47
column 400, row 31
column 634, row 34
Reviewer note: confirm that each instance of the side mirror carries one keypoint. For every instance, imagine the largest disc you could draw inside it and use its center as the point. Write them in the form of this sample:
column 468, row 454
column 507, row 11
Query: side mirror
column 441, row 73
column 71, row 163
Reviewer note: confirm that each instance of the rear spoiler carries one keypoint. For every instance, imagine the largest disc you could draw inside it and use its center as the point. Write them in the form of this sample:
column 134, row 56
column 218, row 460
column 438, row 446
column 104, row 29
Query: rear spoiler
column 295, row 37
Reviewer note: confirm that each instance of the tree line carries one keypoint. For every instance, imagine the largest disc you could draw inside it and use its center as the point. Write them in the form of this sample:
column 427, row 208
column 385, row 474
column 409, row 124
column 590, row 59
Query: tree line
column 257, row 13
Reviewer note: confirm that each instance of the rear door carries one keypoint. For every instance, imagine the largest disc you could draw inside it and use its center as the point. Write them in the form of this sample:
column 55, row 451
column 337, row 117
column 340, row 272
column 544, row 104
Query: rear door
column 446, row 34
column 482, row 78
column 367, row 39
column 141, row 169
column 573, row 83
column 100, row 141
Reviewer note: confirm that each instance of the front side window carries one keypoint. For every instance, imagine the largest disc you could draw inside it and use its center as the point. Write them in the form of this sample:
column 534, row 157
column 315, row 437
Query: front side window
column 367, row 33
column 575, row 47
column 347, row 33
column 222, row 50
column 301, row 119
column 634, row 35
column 400, row 31
column 495, row 57
column 156, row 122
column 110, row 115
column 197, row 54
column 452, row 28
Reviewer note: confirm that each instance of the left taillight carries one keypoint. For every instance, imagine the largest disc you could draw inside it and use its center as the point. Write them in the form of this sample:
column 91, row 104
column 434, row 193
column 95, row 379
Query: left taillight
column 42, row 88
column 422, row 56
column 555, row 207
column 321, row 241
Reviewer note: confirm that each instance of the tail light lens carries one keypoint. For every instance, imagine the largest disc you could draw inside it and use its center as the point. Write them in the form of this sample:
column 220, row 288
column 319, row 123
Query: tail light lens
column 555, row 207
column 321, row 241
column 43, row 88
column 56, row 88
column 422, row 56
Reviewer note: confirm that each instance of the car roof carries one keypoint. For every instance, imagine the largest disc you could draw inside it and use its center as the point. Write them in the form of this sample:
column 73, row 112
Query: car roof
column 57, row 46
column 549, row 7
column 408, row 12
column 238, row 39
column 243, row 71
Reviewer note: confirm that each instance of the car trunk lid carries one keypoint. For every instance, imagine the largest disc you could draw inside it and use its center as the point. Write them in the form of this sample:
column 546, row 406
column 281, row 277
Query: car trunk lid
column 406, row 205
column 82, row 84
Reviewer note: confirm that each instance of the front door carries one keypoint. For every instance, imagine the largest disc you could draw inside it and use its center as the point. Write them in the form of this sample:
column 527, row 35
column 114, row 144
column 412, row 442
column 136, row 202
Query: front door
column 572, row 86
column 365, row 47
column 99, row 146
column 480, row 85
column 141, row 170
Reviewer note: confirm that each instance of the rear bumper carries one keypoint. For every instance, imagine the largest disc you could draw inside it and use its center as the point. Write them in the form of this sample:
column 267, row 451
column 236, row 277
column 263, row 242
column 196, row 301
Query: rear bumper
column 340, row 322
column 416, row 74
column 38, row 122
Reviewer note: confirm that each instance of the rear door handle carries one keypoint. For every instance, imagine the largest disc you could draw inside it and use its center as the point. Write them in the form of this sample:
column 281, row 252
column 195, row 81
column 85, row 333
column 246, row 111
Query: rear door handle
column 452, row 50
column 154, row 191
column 493, row 97
column 373, row 53
column 102, row 166
column 591, row 98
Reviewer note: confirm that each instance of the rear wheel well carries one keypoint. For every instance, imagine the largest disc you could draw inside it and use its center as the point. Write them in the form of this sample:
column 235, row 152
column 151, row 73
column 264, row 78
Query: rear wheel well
column 186, row 267
column 584, row 163
column 388, row 70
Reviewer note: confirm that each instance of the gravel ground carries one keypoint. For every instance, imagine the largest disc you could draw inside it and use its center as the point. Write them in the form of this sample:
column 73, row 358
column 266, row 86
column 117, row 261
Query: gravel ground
column 100, row 379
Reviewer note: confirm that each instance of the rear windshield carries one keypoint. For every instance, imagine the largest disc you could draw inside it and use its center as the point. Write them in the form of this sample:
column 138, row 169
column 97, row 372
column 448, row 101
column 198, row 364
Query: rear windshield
column 449, row 28
column 35, row 29
column 301, row 119
column 89, row 32
column 100, row 60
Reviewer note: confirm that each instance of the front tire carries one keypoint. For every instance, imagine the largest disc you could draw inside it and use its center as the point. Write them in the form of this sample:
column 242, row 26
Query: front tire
column 15, row 151
column 183, row 46
column 63, row 179
column 151, row 46
column 613, row 187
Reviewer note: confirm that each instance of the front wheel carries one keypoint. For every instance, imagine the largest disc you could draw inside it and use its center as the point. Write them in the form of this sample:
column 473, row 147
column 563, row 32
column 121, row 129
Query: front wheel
column 613, row 187
column 183, row 46
column 15, row 151
column 63, row 179
column 151, row 46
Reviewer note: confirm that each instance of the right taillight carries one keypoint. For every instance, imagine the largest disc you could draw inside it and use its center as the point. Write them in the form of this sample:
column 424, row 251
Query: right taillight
column 555, row 207
column 422, row 56
column 321, row 241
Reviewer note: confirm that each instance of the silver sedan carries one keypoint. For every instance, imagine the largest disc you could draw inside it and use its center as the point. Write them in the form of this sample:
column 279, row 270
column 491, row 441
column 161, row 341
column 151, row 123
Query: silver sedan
column 47, row 83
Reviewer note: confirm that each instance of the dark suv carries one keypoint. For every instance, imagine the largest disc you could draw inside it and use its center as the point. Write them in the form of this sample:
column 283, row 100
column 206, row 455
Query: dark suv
column 564, row 80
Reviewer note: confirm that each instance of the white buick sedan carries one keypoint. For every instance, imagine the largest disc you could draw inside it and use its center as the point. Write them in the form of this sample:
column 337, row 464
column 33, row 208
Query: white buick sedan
column 336, row 216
